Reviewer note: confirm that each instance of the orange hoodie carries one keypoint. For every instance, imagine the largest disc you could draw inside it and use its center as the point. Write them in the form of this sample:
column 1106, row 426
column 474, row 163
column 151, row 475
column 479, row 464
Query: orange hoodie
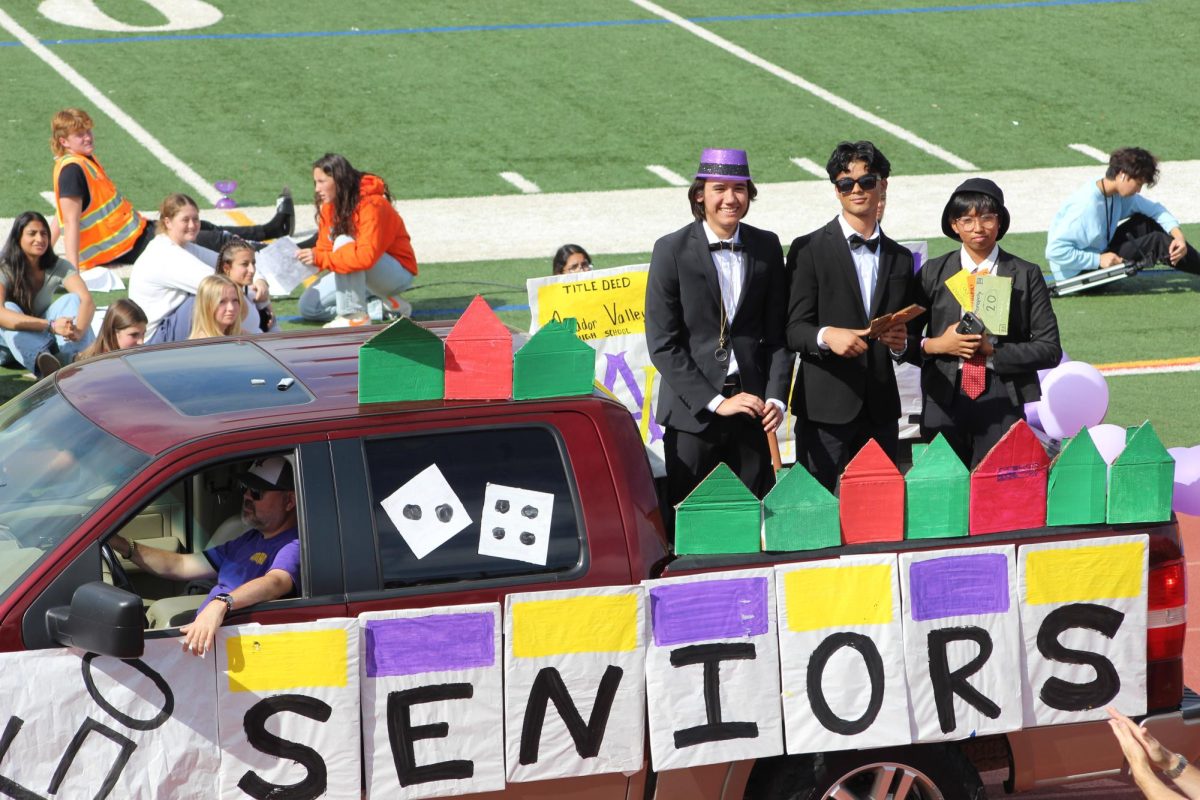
column 378, row 229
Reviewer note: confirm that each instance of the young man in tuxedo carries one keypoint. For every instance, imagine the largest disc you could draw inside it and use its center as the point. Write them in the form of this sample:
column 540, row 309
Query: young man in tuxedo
column 842, row 276
column 715, row 308
column 976, row 386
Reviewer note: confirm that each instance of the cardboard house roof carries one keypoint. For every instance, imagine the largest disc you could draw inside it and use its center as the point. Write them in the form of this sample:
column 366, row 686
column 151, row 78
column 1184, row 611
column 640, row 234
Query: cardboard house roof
column 1077, row 488
column 800, row 514
column 719, row 516
column 402, row 362
column 478, row 322
column 479, row 357
column 554, row 363
column 937, row 493
column 1008, row 487
column 872, row 497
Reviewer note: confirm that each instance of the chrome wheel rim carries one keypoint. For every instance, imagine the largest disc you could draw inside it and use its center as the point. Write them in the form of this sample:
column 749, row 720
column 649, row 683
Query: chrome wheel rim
column 884, row 781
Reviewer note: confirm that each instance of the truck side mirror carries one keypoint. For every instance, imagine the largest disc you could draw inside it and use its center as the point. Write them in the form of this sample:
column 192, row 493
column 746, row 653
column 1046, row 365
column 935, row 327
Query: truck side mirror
column 101, row 619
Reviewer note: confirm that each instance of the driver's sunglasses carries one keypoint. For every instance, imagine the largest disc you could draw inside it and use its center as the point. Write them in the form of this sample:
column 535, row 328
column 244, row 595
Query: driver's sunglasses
column 255, row 494
column 867, row 182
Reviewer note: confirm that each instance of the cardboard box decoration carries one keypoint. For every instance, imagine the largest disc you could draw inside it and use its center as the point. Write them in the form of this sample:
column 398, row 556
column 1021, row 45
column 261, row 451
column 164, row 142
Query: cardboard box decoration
column 1008, row 487
column 937, row 493
column 872, row 498
column 554, row 363
column 800, row 513
column 1077, row 487
column 720, row 516
column 479, row 357
column 1141, row 482
column 402, row 362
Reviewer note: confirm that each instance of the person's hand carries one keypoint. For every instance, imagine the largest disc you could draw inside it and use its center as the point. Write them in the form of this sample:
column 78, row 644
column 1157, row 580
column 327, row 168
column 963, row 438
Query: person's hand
column 846, row 342
column 260, row 290
column 1177, row 250
column 127, row 552
column 305, row 256
column 771, row 417
column 741, row 403
column 74, row 332
column 200, row 635
column 1109, row 259
column 953, row 343
column 1138, row 743
column 895, row 337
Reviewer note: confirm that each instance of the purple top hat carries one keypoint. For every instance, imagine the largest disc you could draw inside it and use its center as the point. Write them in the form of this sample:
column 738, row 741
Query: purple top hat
column 724, row 164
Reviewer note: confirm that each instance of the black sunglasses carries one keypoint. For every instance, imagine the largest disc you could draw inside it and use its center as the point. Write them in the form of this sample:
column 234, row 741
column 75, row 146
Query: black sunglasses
column 867, row 182
column 255, row 494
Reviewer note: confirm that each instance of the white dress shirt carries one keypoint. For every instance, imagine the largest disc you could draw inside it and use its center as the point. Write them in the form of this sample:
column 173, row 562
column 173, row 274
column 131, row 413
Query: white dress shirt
column 866, row 265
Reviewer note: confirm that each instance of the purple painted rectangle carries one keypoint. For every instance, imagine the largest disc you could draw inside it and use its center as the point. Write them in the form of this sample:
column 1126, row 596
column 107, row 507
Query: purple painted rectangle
column 434, row 643
column 705, row 610
column 959, row 585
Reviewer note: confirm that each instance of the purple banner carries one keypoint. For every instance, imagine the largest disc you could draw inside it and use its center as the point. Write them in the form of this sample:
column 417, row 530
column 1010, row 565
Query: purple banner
column 435, row 643
column 955, row 586
column 705, row 610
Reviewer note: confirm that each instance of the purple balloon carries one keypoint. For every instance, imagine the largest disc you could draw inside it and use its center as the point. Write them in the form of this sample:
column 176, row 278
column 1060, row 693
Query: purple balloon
column 1109, row 440
column 1074, row 396
column 1033, row 415
column 1186, row 499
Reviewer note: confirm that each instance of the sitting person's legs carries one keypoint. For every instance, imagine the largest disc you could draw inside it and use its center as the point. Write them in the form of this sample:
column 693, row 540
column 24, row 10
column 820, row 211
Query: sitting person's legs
column 346, row 295
column 25, row 346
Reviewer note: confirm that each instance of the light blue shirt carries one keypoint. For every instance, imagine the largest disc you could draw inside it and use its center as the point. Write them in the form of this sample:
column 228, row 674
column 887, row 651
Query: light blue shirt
column 1085, row 224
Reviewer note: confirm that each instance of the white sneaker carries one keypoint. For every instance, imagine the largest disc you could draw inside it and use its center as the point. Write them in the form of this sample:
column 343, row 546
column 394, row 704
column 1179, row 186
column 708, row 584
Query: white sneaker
column 347, row 322
column 395, row 307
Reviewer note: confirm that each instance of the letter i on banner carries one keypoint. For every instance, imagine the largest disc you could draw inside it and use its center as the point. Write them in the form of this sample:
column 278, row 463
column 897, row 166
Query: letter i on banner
column 1083, row 618
column 961, row 624
column 841, row 653
column 287, row 710
column 574, row 690
column 712, row 669
column 432, row 701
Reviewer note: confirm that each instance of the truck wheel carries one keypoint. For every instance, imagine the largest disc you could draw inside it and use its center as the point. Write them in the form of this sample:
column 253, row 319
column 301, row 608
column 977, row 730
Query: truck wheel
column 917, row 772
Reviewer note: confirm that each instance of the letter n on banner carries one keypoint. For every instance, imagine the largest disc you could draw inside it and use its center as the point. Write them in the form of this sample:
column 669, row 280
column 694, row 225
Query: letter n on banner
column 961, row 628
column 1083, row 616
column 574, row 694
column 287, row 715
column 712, row 669
column 432, row 701
column 841, row 652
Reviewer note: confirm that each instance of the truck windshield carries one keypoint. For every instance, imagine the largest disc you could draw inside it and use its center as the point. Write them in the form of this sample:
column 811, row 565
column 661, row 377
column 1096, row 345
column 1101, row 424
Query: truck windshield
column 56, row 468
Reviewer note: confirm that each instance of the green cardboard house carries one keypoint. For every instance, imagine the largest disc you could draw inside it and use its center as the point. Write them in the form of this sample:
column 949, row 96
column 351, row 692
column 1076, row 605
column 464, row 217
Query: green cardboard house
column 800, row 514
column 1078, row 484
column 937, row 497
column 402, row 362
column 1141, row 480
column 554, row 363
column 720, row 516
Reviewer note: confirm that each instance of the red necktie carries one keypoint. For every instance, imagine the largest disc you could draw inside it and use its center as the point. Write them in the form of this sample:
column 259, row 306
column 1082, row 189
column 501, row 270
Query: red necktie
column 974, row 369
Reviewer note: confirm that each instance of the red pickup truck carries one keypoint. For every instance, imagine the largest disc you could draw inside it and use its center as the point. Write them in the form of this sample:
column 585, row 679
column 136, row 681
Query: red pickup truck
column 146, row 444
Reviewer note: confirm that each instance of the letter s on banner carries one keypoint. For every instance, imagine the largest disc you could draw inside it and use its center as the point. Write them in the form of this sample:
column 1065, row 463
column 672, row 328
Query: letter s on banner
column 181, row 15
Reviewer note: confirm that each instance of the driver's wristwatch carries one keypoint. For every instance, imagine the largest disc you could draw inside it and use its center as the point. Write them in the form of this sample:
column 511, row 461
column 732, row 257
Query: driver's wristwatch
column 1181, row 764
column 227, row 599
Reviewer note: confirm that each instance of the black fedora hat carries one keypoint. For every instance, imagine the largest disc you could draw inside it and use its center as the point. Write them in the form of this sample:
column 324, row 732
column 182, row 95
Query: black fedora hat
column 977, row 186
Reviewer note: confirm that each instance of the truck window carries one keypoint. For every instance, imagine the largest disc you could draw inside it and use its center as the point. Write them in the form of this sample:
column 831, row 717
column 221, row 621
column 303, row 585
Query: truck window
column 531, row 497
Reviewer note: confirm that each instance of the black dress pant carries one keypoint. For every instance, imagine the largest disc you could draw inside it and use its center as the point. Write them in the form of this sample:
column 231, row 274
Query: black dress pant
column 825, row 448
column 972, row 427
column 1142, row 241
column 738, row 441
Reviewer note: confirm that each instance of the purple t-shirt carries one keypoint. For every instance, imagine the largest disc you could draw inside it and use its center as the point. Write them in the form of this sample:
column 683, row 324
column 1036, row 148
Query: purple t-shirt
column 251, row 556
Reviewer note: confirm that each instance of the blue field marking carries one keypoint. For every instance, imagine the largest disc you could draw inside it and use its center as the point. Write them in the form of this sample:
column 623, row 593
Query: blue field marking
column 606, row 23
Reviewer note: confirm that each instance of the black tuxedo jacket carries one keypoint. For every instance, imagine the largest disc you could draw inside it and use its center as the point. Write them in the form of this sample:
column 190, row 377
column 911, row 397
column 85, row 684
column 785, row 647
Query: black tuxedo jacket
column 683, row 313
column 825, row 292
column 1031, row 343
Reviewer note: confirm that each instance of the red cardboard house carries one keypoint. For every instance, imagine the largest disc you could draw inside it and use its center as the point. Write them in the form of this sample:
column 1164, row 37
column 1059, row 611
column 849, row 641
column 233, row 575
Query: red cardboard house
column 1008, row 487
column 479, row 358
column 872, row 498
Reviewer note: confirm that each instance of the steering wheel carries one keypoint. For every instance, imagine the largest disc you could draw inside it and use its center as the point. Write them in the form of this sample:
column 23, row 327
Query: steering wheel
column 120, row 577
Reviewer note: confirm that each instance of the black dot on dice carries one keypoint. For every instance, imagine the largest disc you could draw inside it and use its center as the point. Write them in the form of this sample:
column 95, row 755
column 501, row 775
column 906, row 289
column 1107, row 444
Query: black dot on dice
column 502, row 506
column 412, row 511
column 529, row 512
column 528, row 538
column 444, row 512
column 497, row 533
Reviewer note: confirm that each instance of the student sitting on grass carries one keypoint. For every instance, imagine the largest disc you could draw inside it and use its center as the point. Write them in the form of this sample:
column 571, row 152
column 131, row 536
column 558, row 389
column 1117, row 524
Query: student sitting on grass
column 37, row 331
column 98, row 224
column 218, row 310
column 236, row 262
column 124, row 327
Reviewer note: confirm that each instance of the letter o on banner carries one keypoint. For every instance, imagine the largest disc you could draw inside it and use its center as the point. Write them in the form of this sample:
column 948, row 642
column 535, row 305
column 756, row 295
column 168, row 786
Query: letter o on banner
column 180, row 15
column 816, row 695
column 164, row 713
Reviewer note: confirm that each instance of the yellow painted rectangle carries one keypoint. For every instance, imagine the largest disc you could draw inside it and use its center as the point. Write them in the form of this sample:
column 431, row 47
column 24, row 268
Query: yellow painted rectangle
column 1080, row 574
column 585, row 624
column 275, row 661
column 603, row 305
column 835, row 597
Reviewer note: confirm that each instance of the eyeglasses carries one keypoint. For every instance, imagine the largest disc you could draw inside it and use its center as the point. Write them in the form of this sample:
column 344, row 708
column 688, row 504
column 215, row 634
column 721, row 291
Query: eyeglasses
column 983, row 220
column 582, row 266
column 255, row 494
column 867, row 182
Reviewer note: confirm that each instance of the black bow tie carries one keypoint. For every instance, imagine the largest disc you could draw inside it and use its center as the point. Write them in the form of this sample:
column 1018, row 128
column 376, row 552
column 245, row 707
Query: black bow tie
column 857, row 241
column 734, row 246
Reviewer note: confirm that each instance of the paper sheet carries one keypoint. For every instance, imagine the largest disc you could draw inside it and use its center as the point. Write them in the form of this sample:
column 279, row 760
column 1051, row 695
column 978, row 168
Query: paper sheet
column 515, row 524
column 277, row 264
column 426, row 511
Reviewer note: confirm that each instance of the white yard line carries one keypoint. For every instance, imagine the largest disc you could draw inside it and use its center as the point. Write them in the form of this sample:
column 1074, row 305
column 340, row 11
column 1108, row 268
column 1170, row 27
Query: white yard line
column 808, row 86
column 521, row 182
column 49, row 198
column 1090, row 152
column 811, row 167
column 668, row 175
column 101, row 101
column 1151, row 370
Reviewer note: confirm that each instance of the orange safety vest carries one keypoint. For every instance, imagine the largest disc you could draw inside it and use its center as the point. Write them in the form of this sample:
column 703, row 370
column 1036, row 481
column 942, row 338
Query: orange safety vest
column 109, row 226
